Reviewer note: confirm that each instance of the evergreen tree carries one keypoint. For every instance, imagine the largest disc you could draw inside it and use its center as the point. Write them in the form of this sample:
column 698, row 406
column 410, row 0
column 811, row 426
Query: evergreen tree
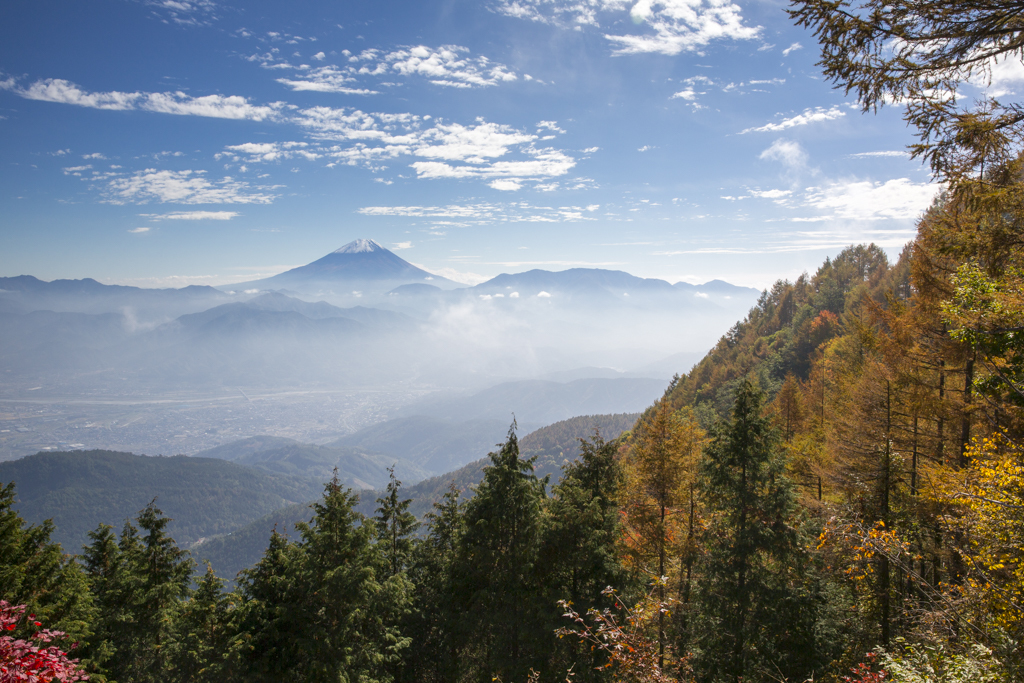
column 502, row 619
column 268, row 623
column 201, row 635
column 395, row 526
column 755, row 618
column 35, row 572
column 139, row 584
column 322, row 609
column 578, row 557
column 433, row 655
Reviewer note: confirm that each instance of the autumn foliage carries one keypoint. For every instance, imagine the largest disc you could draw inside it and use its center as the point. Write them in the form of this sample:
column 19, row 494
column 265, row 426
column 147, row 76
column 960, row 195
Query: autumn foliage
column 35, row 658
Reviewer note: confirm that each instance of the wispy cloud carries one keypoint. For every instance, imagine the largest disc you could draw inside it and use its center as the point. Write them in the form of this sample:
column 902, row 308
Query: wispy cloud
column 487, row 213
column 808, row 116
column 445, row 150
column 183, row 187
column 869, row 201
column 179, row 103
column 184, row 12
column 673, row 26
column 786, row 152
column 139, row 230
column 886, row 153
column 256, row 152
column 192, row 216
column 436, row 149
column 447, row 65
column 792, row 48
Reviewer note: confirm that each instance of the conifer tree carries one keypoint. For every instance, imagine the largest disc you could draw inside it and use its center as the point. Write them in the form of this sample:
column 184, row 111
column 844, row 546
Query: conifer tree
column 139, row 584
column 35, row 572
column 755, row 619
column 201, row 632
column 395, row 526
column 578, row 557
column 268, row 624
column 659, row 501
column 433, row 655
column 494, row 580
column 322, row 609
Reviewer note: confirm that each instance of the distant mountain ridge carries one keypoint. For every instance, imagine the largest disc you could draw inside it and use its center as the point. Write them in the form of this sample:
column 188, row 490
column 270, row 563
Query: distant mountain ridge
column 359, row 263
column 203, row 496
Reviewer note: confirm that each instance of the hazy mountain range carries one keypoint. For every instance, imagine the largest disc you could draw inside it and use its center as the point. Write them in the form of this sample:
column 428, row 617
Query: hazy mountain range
column 360, row 315
column 360, row 320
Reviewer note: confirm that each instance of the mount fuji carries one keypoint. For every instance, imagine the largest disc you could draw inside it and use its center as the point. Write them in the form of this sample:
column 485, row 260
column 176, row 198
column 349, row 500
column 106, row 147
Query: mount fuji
column 361, row 266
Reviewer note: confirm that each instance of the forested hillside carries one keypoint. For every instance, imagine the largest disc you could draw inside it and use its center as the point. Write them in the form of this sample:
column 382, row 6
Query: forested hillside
column 205, row 497
column 554, row 446
column 835, row 487
column 834, row 493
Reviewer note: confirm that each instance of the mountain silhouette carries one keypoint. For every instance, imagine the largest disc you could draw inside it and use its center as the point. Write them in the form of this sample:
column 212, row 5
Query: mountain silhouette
column 359, row 265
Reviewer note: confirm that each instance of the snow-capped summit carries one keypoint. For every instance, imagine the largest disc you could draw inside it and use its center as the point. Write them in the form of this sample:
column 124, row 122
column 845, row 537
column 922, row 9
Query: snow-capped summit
column 359, row 247
column 361, row 265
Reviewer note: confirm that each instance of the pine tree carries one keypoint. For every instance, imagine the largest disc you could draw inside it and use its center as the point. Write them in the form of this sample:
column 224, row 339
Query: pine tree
column 201, row 632
column 34, row 571
column 433, row 623
column 395, row 526
column 139, row 583
column 755, row 620
column 494, row 578
column 322, row 609
column 578, row 557
column 267, row 626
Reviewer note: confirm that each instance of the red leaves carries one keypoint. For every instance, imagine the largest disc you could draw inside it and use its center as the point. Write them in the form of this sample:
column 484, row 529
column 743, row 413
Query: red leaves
column 29, row 661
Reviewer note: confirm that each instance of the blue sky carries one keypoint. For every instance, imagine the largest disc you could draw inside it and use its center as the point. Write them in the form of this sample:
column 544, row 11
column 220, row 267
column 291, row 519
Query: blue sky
column 174, row 142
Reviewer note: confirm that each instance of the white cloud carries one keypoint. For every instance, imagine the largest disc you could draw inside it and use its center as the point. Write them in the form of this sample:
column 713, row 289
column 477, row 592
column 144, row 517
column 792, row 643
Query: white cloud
column 256, row 152
column 447, row 65
column 402, row 245
column 792, row 48
column 543, row 295
column 183, row 187
column 139, row 230
column 673, row 26
column 193, row 216
column 486, row 213
column 866, row 200
column 549, row 125
column 887, row 153
column 326, row 79
column 448, row 150
column 815, row 115
column 216, row 106
column 510, row 184
column 786, row 152
column 184, row 12
column 473, row 144
column 319, row 56
column 771, row 194
column 94, row 155
column 689, row 95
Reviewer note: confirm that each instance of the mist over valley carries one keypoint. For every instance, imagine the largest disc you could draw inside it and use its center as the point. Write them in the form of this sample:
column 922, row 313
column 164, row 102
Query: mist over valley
column 352, row 340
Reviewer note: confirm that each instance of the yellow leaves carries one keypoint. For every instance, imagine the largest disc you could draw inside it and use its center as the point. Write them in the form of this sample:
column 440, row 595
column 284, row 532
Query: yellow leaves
column 990, row 497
